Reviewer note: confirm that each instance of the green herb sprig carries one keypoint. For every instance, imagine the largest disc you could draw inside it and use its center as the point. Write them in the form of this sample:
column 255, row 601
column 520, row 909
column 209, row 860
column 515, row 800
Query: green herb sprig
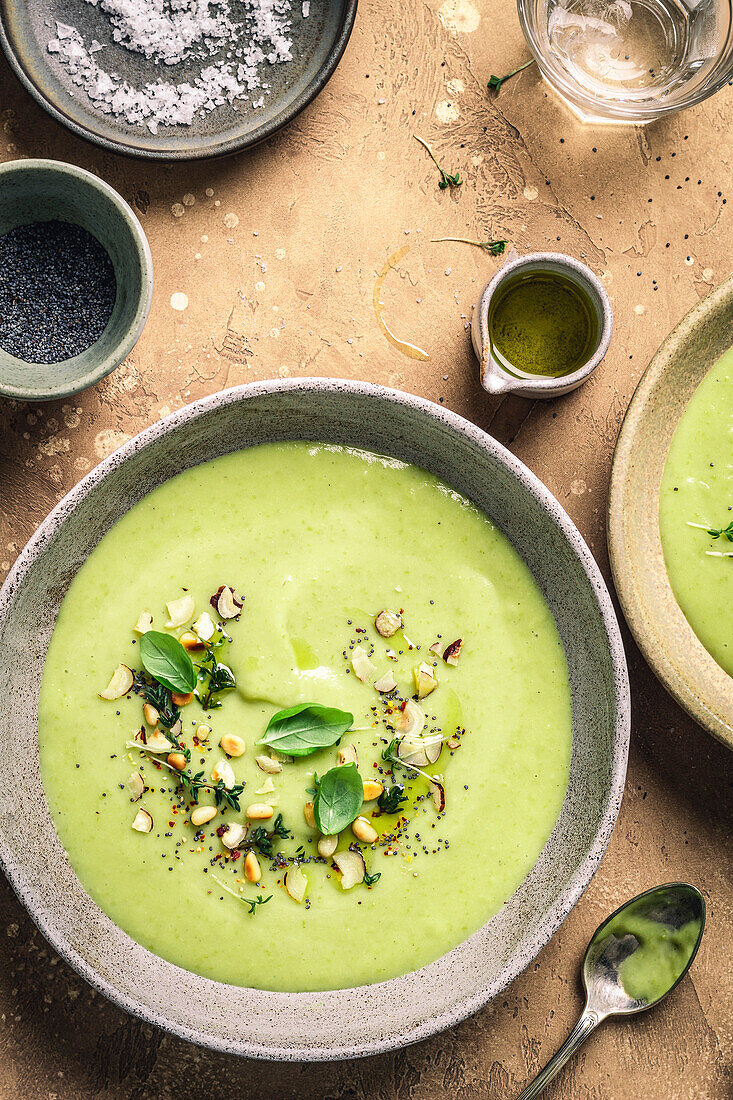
column 495, row 82
column 715, row 532
column 370, row 880
column 254, row 902
column 158, row 697
column 446, row 179
column 391, row 799
column 495, row 248
column 263, row 840
column 215, row 678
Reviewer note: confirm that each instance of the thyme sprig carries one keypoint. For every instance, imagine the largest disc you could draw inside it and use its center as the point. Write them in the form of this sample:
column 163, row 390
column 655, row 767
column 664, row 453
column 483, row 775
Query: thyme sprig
column 391, row 799
column 495, row 82
column 158, row 696
column 263, row 840
column 214, row 678
column 495, row 248
column 193, row 784
column 446, row 179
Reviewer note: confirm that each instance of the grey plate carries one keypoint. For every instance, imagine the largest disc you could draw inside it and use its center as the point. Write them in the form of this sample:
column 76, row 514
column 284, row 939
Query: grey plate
column 348, row 1022
column 25, row 30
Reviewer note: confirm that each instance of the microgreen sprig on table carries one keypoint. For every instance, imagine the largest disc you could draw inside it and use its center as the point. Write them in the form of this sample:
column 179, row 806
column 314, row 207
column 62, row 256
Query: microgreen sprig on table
column 446, row 179
column 495, row 248
column 495, row 82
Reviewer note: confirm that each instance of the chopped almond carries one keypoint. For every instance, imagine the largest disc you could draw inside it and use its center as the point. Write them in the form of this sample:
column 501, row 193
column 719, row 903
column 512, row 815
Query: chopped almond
column 388, row 623
column 452, row 652
column 143, row 822
column 180, row 611
column 119, row 685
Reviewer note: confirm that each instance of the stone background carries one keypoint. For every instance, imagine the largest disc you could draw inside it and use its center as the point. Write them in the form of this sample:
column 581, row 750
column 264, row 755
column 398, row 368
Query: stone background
column 276, row 252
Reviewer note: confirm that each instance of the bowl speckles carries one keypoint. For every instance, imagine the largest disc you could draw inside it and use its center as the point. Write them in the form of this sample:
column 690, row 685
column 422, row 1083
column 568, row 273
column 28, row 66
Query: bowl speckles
column 663, row 634
column 343, row 1023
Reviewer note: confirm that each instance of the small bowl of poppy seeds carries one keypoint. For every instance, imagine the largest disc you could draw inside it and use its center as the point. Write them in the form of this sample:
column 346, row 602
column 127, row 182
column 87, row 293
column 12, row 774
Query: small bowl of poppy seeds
column 76, row 279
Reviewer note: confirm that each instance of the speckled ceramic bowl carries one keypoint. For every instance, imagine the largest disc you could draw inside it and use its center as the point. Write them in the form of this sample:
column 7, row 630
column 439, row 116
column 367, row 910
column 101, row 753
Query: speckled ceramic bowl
column 662, row 632
column 349, row 1022
column 43, row 190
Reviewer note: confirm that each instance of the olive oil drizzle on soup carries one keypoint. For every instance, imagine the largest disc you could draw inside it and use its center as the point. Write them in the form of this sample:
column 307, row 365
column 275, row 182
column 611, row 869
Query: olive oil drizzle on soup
column 314, row 541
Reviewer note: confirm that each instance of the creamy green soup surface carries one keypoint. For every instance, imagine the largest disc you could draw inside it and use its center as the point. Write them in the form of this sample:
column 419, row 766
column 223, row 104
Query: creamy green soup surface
column 696, row 512
column 316, row 540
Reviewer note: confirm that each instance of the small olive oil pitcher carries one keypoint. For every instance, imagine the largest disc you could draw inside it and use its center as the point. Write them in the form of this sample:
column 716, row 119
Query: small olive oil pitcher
column 541, row 326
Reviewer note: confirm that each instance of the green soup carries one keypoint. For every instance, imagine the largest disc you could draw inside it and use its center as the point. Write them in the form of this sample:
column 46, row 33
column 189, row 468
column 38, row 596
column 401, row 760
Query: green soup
column 696, row 508
column 317, row 539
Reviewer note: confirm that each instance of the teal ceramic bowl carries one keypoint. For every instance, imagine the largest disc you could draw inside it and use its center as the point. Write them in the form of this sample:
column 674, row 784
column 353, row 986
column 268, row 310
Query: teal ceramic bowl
column 43, row 190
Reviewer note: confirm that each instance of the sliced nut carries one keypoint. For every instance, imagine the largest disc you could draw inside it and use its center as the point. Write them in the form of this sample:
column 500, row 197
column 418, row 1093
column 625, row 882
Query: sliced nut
column 181, row 698
column 153, row 742
column 347, row 755
column 202, row 814
column 362, row 830
column 203, row 733
column 228, row 603
column 425, row 680
column 177, row 728
column 143, row 822
column 191, row 642
column 180, row 611
column 252, row 869
column 268, row 765
column 119, row 685
column 259, row 811
column 352, row 867
column 327, row 845
column 136, row 786
column 178, row 761
column 453, row 742
column 232, row 745
column 385, row 683
column 392, row 654
column 296, row 883
column 233, row 835
column 267, row 787
column 436, row 648
column 437, row 793
column 420, row 751
column 452, row 652
column 144, row 623
column 150, row 714
column 204, row 626
column 223, row 771
column 364, row 668
column 411, row 720
column 388, row 623
column 372, row 789
column 309, row 815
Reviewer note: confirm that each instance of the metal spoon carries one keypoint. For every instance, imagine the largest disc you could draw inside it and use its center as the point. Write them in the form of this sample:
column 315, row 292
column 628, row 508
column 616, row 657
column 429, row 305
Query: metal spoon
column 673, row 905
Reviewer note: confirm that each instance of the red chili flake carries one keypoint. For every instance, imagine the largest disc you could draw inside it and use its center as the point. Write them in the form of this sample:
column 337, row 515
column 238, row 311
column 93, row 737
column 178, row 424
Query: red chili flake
column 221, row 830
column 172, row 824
column 403, row 704
column 236, row 853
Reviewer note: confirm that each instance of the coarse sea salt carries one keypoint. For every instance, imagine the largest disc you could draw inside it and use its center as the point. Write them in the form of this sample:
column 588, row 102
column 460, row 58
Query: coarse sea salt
column 170, row 32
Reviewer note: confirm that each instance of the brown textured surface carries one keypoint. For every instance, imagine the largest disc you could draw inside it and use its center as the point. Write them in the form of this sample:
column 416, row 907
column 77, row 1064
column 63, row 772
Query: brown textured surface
column 330, row 200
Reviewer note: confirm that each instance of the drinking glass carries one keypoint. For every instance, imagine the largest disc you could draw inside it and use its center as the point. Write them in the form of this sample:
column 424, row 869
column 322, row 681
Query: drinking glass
column 630, row 61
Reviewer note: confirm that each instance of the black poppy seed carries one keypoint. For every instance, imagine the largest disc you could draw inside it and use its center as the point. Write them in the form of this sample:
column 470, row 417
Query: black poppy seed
column 57, row 291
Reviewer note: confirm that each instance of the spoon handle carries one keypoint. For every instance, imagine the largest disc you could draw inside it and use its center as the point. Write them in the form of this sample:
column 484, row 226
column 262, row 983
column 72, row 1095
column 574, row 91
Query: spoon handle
column 588, row 1022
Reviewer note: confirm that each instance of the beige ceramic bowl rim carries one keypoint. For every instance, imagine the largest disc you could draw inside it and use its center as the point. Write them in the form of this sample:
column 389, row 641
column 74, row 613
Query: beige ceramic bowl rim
column 579, row 874
column 688, row 679
column 145, row 259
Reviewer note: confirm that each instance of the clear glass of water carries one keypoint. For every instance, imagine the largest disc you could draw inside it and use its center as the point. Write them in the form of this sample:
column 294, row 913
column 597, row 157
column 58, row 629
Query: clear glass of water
column 630, row 60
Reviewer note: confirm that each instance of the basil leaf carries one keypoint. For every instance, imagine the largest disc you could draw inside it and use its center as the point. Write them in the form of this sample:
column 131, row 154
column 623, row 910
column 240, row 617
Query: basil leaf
column 339, row 798
column 305, row 728
column 165, row 659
